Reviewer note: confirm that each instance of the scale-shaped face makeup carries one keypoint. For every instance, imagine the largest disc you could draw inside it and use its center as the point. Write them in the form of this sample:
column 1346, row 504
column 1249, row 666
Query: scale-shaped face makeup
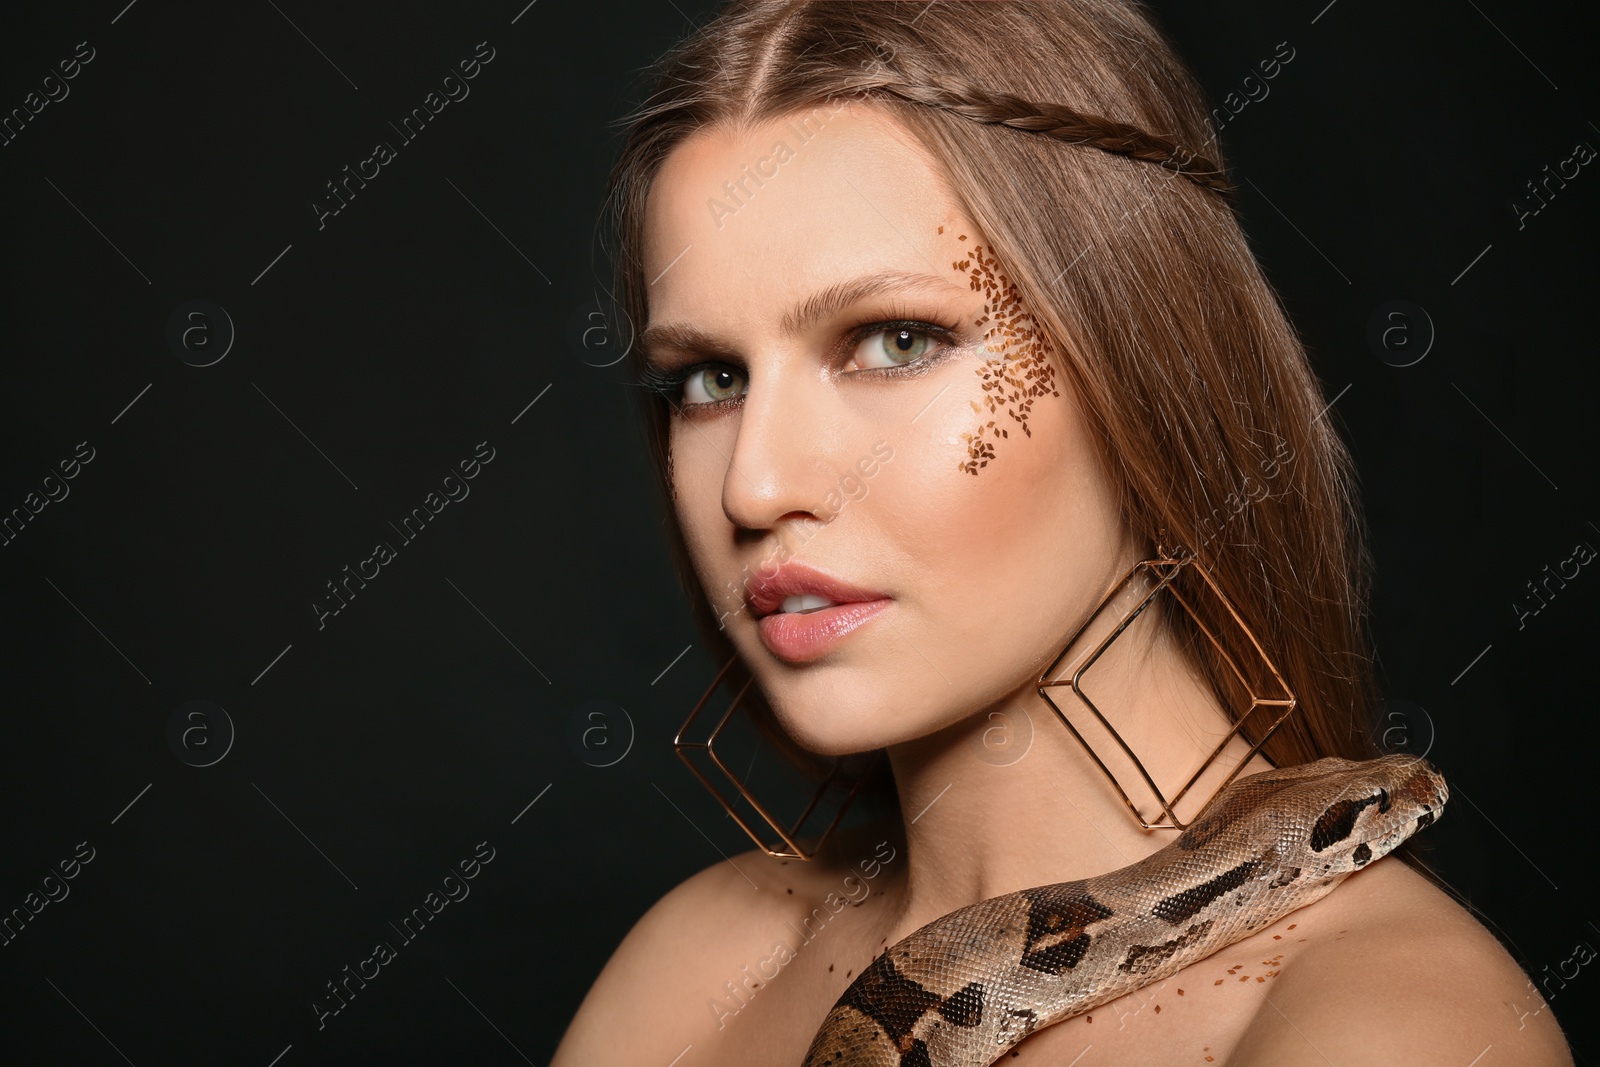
column 1022, row 368
column 868, row 422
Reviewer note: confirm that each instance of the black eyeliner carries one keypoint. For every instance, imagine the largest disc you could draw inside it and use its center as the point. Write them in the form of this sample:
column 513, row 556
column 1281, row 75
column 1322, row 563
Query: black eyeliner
column 669, row 384
column 944, row 335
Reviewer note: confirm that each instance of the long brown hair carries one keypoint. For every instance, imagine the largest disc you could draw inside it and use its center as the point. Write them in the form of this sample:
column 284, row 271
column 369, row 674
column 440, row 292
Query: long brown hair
column 1210, row 421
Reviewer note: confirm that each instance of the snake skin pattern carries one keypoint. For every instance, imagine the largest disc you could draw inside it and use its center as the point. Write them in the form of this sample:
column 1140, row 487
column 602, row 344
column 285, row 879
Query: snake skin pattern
column 964, row 989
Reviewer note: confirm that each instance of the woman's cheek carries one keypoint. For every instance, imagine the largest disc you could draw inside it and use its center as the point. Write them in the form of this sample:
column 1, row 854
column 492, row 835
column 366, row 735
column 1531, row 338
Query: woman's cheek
column 1018, row 371
column 696, row 499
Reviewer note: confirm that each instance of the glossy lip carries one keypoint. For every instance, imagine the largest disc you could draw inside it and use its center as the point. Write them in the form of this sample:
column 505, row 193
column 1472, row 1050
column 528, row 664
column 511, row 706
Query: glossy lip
column 799, row 637
column 765, row 593
column 802, row 636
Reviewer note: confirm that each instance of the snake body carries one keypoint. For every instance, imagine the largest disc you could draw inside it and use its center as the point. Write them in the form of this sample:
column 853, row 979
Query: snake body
column 964, row 989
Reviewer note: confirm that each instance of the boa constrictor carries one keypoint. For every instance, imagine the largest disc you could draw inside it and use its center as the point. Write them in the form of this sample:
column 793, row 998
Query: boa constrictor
column 964, row 989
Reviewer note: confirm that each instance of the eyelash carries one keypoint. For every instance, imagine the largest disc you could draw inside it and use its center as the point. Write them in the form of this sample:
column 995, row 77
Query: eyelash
column 669, row 384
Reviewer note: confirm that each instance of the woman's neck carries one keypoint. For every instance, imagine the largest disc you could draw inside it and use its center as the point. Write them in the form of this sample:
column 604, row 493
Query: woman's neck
column 987, row 811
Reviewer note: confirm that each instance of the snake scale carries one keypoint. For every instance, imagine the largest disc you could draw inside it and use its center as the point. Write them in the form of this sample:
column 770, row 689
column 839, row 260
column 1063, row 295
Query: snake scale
column 964, row 989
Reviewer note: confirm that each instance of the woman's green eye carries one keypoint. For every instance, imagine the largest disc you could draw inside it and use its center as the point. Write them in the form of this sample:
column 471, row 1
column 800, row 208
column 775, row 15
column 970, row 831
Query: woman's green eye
column 711, row 384
column 896, row 346
column 884, row 348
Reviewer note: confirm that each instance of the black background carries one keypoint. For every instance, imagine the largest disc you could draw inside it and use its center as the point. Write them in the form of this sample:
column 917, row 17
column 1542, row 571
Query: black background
column 375, row 353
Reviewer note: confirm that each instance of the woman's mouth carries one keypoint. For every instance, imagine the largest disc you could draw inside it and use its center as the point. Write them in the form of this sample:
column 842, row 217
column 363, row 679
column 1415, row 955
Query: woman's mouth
column 804, row 612
column 798, row 636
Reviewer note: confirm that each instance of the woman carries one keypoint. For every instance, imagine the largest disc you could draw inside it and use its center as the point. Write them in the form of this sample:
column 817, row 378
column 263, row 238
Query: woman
column 948, row 325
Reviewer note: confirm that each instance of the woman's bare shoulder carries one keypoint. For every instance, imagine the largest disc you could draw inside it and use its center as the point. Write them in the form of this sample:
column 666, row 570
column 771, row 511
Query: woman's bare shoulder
column 637, row 1009
column 649, row 1002
column 1402, row 975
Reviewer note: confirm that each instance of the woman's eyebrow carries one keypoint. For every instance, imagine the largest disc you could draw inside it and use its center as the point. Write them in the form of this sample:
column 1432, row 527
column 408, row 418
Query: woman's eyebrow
column 842, row 294
column 818, row 306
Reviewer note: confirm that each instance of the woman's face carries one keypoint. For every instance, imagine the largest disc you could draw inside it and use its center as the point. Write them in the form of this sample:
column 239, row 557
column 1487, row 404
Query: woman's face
column 864, row 398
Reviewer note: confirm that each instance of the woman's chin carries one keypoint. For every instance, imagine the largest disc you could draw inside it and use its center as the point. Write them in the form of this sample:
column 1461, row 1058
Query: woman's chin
column 844, row 731
column 822, row 740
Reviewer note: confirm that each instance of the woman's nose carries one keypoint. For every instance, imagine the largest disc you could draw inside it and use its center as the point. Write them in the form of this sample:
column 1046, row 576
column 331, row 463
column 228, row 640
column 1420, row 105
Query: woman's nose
column 782, row 459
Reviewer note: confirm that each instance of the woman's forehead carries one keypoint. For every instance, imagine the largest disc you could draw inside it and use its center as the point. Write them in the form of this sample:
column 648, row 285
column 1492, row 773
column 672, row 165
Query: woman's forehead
column 789, row 206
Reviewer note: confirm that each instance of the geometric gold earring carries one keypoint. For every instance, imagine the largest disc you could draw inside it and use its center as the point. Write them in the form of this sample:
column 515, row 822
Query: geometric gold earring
column 1180, row 577
column 847, row 772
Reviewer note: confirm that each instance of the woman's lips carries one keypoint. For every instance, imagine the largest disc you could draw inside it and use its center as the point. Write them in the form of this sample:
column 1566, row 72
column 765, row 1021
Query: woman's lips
column 766, row 592
column 802, row 636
